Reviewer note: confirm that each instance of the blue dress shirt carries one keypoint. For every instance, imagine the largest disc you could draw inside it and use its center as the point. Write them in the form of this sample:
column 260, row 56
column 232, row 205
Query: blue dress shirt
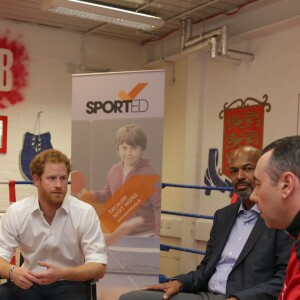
column 240, row 232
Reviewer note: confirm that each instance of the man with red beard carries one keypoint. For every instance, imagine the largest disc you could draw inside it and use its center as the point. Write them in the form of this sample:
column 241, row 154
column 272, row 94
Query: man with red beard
column 244, row 259
column 59, row 237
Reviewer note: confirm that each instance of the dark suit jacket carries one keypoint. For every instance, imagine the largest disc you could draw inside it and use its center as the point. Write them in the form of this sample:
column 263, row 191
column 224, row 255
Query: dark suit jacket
column 259, row 270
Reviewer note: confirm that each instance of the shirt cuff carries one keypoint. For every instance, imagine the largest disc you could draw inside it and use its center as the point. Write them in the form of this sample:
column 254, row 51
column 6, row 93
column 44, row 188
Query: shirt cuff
column 181, row 286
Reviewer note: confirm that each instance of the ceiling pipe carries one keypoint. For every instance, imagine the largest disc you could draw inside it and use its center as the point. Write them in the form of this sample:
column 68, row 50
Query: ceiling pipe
column 216, row 39
column 224, row 49
column 199, row 38
column 246, row 56
column 214, row 48
column 199, row 7
column 186, row 32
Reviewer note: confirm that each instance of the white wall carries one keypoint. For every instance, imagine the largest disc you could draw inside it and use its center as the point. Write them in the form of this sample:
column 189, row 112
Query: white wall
column 210, row 84
column 53, row 55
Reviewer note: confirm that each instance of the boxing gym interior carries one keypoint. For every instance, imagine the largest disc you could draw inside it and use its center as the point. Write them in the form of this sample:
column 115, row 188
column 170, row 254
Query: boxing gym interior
column 201, row 60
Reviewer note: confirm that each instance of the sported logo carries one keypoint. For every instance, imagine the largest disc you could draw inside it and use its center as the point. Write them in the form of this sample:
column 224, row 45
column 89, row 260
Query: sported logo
column 128, row 103
column 133, row 93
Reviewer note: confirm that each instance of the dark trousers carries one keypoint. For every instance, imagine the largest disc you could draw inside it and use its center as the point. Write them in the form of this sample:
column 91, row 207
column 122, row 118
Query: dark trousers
column 157, row 295
column 60, row 290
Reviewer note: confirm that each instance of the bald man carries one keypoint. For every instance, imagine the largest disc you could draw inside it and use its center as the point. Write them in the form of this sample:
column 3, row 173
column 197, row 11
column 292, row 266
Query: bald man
column 244, row 259
column 277, row 194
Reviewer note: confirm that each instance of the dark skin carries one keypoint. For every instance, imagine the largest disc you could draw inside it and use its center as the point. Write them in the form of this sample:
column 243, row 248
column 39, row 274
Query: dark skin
column 242, row 164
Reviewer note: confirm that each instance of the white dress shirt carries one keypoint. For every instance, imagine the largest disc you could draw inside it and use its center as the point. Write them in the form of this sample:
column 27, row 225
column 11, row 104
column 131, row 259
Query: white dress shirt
column 73, row 238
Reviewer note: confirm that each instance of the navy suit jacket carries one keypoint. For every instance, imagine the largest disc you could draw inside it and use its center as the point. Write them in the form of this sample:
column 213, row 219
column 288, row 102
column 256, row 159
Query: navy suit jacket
column 259, row 271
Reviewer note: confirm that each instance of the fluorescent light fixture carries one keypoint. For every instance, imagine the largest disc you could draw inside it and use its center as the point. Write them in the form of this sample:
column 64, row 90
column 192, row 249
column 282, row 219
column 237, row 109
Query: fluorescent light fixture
column 102, row 13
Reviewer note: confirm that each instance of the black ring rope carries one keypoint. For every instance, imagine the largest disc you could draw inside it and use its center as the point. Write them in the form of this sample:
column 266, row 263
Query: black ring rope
column 163, row 211
column 198, row 187
column 164, row 247
column 23, row 182
column 166, row 184
column 176, row 213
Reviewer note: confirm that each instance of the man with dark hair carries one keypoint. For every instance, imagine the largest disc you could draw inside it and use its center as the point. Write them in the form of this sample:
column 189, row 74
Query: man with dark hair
column 244, row 259
column 59, row 237
column 277, row 194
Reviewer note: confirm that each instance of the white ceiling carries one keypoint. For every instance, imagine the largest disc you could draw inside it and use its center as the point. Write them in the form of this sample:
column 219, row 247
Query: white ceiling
column 171, row 11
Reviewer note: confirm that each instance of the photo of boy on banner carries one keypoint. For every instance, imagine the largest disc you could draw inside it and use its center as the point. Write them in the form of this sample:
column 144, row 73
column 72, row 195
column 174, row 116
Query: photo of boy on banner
column 132, row 190
column 137, row 179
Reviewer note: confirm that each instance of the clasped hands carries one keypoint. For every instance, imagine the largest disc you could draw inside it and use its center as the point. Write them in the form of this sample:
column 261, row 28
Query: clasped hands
column 25, row 278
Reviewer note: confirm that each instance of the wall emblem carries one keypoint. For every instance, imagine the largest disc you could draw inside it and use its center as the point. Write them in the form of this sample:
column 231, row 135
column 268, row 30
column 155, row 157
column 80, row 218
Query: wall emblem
column 243, row 125
column 13, row 71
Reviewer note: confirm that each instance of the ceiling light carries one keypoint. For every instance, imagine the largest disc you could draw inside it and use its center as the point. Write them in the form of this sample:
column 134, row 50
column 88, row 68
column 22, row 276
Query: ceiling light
column 102, row 13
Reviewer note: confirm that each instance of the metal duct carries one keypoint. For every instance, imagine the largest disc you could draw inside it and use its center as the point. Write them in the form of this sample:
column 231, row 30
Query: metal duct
column 216, row 39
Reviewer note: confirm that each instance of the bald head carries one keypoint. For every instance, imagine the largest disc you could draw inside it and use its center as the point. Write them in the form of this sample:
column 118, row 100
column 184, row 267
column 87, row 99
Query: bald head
column 245, row 152
column 242, row 165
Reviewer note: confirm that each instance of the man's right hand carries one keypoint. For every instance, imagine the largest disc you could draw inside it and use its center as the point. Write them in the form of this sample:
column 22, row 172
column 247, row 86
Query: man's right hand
column 22, row 278
column 170, row 288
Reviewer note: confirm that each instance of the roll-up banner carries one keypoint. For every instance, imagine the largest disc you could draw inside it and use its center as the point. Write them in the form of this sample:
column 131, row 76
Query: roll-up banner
column 117, row 135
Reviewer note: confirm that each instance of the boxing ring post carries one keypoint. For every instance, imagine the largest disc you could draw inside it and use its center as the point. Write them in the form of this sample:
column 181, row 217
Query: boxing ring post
column 12, row 199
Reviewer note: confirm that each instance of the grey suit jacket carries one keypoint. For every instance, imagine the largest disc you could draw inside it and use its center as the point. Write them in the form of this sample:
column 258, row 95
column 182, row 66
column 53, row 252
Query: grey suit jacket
column 259, row 270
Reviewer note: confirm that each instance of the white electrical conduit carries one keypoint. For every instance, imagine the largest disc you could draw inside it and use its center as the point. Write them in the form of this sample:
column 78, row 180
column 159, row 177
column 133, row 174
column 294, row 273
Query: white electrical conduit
column 216, row 39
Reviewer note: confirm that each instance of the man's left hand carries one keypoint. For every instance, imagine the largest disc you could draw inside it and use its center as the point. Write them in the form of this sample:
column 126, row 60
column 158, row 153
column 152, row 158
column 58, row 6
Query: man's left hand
column 52, row 274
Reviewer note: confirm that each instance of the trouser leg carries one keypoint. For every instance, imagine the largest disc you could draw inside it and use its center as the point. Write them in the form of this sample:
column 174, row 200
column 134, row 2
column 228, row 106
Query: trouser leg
column 157, row 295
column 211, row 296
column 10, row 291
column 61, row 290
column 67, row 290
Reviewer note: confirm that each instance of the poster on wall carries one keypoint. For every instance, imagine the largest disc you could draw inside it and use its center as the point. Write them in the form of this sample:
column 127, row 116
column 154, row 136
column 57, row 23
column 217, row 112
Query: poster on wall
column 117, row 135
column 14, row 74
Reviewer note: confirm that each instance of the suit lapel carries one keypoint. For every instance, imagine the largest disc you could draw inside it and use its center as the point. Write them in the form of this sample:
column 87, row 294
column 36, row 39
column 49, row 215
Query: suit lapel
column 254, row 235
column 224, row 226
